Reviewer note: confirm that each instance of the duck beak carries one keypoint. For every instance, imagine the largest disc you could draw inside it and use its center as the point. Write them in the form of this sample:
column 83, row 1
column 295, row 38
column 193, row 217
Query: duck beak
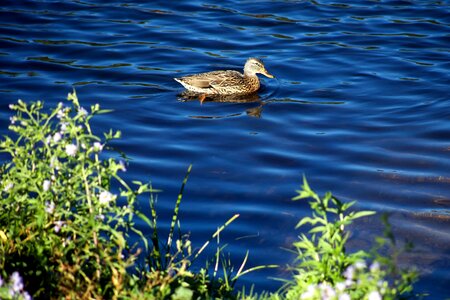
column 267, row 74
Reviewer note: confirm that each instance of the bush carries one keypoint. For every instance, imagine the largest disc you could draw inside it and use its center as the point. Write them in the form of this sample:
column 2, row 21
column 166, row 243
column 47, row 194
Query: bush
column 327, row 271
column 67, row 222
column 61, row 223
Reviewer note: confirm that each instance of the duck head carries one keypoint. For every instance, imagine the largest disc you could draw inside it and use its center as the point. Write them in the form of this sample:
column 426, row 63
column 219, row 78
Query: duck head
column 254, row 66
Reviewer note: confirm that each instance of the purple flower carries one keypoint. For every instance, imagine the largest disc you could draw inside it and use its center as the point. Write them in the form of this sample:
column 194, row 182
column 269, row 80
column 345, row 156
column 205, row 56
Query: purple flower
column 1, row 281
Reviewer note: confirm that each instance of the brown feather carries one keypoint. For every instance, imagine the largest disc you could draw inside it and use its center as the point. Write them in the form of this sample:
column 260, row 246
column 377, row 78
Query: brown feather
column 225, row 82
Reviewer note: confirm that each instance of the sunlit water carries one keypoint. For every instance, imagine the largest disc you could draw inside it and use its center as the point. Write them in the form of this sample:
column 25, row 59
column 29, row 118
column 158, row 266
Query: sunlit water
column 360, row 105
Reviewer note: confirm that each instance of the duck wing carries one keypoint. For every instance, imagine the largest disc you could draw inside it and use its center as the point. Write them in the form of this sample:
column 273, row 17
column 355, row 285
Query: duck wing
column 213, row 79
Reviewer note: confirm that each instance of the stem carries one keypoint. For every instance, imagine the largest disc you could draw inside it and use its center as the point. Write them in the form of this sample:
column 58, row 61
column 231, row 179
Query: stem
column 86, row 188
column 88, row 197
column 88, row 127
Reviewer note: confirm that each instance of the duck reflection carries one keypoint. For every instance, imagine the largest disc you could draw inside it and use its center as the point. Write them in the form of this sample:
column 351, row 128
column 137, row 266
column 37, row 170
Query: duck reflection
column 250, row 98
column 192, row 96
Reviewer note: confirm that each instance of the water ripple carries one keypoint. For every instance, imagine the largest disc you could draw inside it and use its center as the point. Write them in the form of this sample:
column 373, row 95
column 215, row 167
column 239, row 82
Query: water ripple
column 360, row 106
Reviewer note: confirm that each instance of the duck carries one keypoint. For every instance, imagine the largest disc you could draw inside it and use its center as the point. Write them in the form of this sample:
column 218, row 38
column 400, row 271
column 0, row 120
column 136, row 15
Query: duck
column 226, row 82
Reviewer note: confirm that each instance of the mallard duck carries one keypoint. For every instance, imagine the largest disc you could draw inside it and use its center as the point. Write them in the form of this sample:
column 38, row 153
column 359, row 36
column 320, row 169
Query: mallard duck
column 226, row 82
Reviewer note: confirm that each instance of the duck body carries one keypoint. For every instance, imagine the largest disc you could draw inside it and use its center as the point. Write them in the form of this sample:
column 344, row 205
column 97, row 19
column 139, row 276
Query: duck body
column 226, row 82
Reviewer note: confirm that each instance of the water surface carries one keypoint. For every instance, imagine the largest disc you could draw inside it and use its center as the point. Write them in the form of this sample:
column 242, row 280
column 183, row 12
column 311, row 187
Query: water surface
column 360, row 106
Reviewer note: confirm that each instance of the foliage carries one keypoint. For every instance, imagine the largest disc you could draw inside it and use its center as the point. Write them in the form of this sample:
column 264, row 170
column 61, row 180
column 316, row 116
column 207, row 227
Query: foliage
column 66, row 216
column 13, row 288
column 326, row 270
column 67, row 219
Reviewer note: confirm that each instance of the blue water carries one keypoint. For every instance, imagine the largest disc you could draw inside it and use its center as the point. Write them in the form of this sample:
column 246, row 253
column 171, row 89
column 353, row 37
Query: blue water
column 360, row 105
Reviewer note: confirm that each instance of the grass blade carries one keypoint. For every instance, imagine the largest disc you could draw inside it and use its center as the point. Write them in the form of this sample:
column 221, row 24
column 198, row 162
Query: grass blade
column 216, row 234
column 175, row 213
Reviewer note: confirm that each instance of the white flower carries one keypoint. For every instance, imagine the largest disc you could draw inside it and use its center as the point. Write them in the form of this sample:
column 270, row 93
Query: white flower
column 82, row 112
column 12, row 106
column 8, row 186
column 98, row 147
column 49, row 207
column 105, row 197
column 375, row 295
column 57, row 137
column 71, row 149
column 64, row 126
column 327, row 291
column 66, row 241
column 340, row 286
column 61, row 113
column 349, row 283
column 48, row 139
column 344, row 296
column 17, row 284
column 26, row 296
column 13, row 120
column 46, row 185
column 375, row 267
column 359, row 265
column 310, row 292
column 54, row 163
column 58, row 225
column 123, row 167
column 349, row 273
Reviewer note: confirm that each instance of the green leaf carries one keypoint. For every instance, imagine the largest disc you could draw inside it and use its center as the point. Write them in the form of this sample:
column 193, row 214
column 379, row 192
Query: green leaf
column 183, row 293
column 318, row 229
column 141, row 235
column 104, row 111
column 144, row 218
column 361, row 214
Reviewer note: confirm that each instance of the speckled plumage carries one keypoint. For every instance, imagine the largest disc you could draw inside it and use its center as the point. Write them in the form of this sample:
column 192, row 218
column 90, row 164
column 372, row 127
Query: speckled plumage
column 226, row 82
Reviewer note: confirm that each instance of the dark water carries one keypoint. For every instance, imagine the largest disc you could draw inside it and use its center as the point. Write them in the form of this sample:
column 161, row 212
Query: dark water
column 361, row 106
